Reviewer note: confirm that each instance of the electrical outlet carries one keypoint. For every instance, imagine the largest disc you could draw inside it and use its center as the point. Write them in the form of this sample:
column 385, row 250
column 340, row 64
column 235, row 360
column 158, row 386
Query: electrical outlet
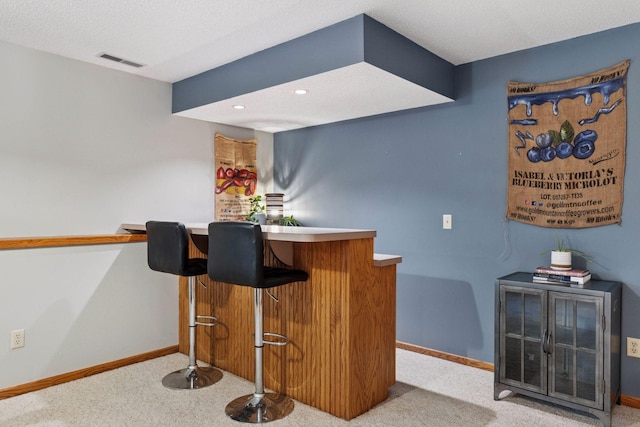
column 17, row 338
column 633, row 347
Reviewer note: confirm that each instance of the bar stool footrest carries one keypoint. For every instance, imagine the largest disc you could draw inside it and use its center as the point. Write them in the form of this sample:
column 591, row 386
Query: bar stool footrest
column 214, row 321
column 278, row 339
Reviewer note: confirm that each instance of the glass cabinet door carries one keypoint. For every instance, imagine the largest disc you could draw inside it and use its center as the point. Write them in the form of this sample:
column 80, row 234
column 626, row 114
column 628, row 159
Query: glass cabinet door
column 576, row 352
column 522, row 324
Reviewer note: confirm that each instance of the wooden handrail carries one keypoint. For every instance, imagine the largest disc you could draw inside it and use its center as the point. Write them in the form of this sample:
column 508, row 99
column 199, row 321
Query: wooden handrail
column 56, row 241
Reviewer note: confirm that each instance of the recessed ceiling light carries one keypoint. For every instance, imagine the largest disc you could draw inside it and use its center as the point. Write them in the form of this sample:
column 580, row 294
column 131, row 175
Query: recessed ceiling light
column 300, row 91
column 239, row 107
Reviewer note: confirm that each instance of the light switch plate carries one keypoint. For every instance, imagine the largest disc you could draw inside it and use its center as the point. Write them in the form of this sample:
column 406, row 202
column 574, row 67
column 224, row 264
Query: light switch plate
column 446, row 222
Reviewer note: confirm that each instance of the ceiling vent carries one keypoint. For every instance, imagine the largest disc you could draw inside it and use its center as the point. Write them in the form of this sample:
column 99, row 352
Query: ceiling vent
column 120, row 60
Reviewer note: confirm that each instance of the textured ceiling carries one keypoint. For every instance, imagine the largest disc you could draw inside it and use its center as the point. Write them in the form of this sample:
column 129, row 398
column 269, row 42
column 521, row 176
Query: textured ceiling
column 176, row 39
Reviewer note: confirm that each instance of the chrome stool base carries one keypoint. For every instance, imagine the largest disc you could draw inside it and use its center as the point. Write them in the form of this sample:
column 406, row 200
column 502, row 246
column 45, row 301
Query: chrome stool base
column 259, row 408
column 192, row 378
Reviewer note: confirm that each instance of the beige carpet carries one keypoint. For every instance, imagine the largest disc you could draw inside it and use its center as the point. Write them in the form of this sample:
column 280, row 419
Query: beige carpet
column 428, row 392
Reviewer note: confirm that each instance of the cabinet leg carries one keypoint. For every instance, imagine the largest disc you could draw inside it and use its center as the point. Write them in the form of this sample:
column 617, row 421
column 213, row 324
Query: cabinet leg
column 497, row 390
column 605, row 417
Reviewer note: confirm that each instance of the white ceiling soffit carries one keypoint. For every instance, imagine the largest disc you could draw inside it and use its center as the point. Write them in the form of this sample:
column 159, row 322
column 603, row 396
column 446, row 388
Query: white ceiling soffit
column 358, row 90
column 354, row 68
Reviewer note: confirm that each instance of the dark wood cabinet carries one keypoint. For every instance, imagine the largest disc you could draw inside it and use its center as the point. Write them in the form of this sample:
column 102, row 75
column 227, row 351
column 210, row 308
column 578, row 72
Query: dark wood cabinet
column 559, row 343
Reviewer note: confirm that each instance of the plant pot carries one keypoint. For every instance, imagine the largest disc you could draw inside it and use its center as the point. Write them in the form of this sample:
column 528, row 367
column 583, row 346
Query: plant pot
column 262, row 218
column 561, row 260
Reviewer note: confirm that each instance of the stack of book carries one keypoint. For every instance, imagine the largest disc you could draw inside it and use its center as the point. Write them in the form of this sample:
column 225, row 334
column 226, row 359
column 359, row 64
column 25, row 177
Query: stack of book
column 576, row 277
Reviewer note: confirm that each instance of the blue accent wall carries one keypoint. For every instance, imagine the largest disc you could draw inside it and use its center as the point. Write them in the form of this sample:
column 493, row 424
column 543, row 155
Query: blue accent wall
column 399, row 173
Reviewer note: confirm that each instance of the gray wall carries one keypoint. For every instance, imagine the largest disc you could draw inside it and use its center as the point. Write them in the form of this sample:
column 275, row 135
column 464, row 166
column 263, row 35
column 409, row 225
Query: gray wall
column 82, row 150
column 398, row 173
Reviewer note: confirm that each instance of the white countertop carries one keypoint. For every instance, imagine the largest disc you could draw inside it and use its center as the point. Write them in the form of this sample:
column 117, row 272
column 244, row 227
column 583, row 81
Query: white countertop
column 382, row 260
column 282, row 233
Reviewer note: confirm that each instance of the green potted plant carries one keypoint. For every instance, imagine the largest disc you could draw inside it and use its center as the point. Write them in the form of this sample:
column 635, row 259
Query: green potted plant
column 256, row 210
column 561, row 257
column 289, row 220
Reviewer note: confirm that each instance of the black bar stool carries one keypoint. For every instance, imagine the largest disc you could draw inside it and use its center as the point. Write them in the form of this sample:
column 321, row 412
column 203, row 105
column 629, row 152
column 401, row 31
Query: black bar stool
column 236, row 256
column 168, row 252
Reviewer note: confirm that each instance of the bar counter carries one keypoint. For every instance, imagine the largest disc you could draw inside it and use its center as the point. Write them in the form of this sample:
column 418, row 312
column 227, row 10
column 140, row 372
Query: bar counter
column 341, row 322
column 281, row 233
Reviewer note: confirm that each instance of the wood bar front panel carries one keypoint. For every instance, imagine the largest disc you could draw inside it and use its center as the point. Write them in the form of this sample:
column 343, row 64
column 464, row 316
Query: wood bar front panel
column 340, row 323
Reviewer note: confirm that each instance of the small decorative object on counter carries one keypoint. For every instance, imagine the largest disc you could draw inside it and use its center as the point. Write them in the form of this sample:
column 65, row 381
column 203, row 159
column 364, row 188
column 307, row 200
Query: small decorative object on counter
column 289, row 220
column 275, row 207
column 256, row 210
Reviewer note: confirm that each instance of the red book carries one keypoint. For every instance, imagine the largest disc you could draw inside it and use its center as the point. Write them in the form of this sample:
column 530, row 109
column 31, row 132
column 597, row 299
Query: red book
column 576, row 272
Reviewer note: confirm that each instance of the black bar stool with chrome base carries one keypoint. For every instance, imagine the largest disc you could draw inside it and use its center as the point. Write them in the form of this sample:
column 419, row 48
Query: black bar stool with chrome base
column 236, row 256
column 168, row 252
